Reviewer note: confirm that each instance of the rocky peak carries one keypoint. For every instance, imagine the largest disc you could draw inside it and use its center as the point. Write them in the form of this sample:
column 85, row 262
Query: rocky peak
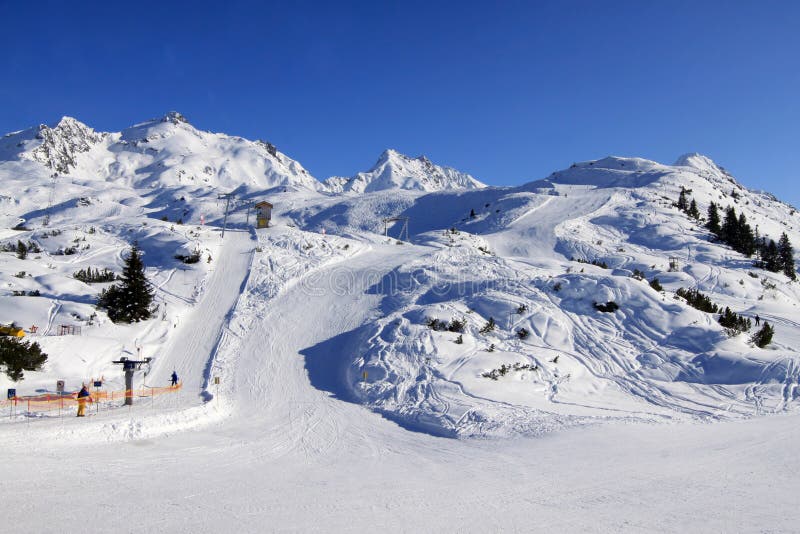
column 269, row 147
column 394, row 170
column 174, row 117
column 61, row 143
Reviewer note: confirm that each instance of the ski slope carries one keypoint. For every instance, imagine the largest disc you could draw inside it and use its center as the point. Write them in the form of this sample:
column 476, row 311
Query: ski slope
column 338, row 406
column 289, row 455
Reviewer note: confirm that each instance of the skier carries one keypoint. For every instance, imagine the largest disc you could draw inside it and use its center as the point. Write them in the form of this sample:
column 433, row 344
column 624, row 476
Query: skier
column 174, row 379
column 83, row 396
column 758, row 320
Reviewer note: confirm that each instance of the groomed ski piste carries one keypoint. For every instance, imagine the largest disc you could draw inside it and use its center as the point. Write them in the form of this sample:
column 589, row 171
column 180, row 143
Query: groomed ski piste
column 338, row 407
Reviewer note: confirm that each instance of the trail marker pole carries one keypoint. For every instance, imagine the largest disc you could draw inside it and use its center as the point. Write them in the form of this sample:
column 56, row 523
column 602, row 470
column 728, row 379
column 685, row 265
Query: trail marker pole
column 97, row 384
column 216, row 383
column 12, row 396
column 60, row 391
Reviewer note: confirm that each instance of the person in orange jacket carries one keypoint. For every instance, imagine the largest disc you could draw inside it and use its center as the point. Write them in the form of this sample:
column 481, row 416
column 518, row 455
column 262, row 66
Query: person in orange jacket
column 83, row 396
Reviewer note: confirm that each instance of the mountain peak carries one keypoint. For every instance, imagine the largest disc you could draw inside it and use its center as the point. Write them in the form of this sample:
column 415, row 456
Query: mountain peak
column 66, row 122
column 60, row 144
column 697, row 161
column 388, row 155
column 394, row 170
column 705, row 166
column 174, row 117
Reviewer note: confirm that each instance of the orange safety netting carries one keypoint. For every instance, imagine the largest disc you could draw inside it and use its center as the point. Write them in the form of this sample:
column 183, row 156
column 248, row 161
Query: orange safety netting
column 48, row 402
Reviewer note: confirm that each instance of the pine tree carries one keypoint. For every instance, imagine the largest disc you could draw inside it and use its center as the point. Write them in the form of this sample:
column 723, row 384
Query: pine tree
column 745, row 239
column 734, row 322
column 693, row 212
column 683, row 204
column 18, row 356
column 713, row 219
column 763, row 337
column 489, row 326
column 22, row 250
column 736, row 233
column 786, row 254
column 770, row 260
column 730, row 225
column 655, row 284
column 131, row 300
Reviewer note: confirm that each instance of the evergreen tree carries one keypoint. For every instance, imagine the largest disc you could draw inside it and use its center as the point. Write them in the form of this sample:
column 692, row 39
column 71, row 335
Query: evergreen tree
column 736, row 233
column 745, row 239
column 713, row 219
column 655, row 284
column 697, row 300
column 18, row 356
column 489, row 326
column 763, row 337
column 734, row 322
column 693, row 212
column 786, row 254
column 131, row 300
column 730, row 225
column 770, row 260
column 683, row 204
column 22, row 250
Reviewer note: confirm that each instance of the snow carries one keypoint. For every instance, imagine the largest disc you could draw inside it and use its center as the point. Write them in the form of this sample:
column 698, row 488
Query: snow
column 338, row 408
column 394, row 170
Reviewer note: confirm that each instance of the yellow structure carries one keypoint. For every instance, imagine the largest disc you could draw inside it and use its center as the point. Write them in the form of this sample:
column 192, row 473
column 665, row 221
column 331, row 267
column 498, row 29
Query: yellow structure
column 12, row 331
column 263, row 214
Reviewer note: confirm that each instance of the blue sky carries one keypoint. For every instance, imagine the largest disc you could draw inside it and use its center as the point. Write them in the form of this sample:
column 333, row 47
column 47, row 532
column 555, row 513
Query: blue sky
column 508, row 91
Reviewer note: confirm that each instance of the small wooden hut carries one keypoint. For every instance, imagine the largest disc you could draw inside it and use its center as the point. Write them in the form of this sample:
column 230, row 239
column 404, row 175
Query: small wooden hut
column 263, row 214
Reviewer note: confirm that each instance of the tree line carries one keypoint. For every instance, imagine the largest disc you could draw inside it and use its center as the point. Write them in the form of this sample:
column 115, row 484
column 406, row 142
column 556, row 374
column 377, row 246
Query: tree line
column 734, row 230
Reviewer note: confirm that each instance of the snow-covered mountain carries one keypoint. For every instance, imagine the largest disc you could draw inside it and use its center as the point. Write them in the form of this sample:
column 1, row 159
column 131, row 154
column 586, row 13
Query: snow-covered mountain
column 397, row 171
column 513, row 276
column 58, row 147
column 171, row 152
column 495, row 319
column 165, row 152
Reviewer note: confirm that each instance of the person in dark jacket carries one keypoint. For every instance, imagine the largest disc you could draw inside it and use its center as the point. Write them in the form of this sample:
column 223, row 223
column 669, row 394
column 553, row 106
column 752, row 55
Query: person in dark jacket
column 174, row 379
column 83, row 396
